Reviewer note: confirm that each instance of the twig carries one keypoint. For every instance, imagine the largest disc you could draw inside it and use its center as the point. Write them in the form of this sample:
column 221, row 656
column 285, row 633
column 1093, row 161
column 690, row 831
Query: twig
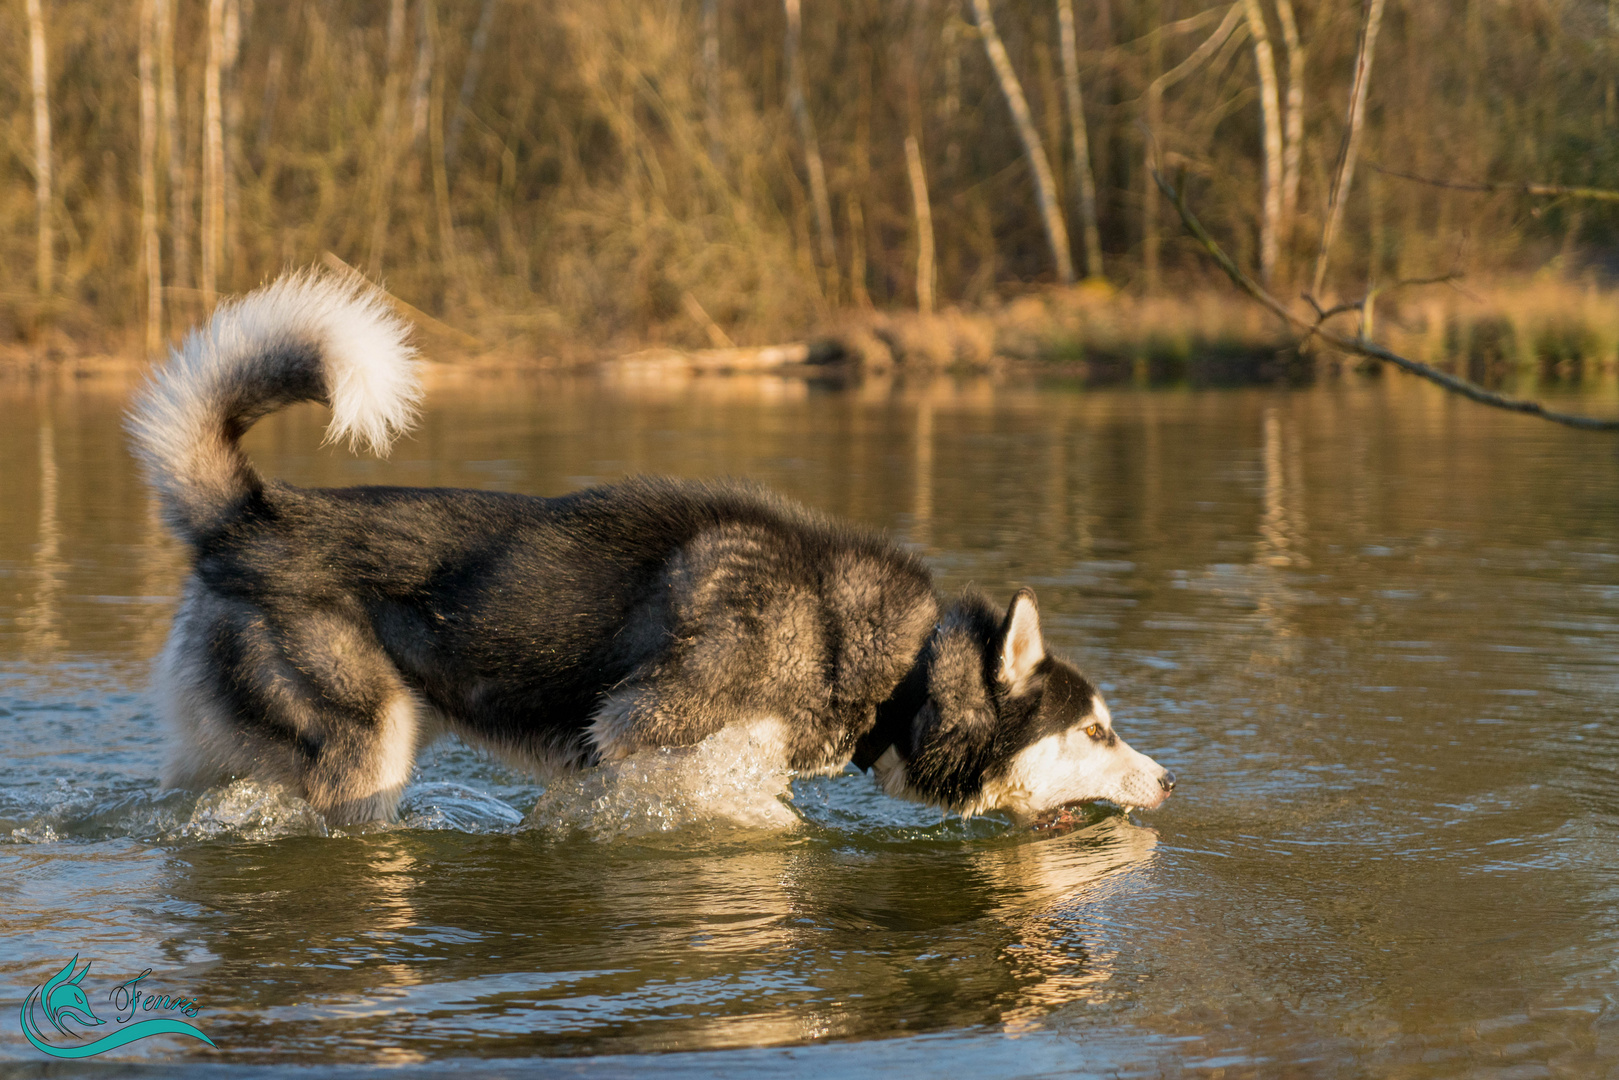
column 338, row 266
column 699, row 315
column 1559, row 190
column 1360, row 345
column 1321, row 315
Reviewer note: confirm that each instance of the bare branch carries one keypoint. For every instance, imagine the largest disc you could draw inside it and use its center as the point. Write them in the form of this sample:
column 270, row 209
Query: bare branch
column 1352, row 134
column 1529, row 188
column 1360, row 345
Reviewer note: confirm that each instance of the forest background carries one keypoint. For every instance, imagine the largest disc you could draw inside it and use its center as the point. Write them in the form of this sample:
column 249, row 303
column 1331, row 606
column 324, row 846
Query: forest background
column 574, row 178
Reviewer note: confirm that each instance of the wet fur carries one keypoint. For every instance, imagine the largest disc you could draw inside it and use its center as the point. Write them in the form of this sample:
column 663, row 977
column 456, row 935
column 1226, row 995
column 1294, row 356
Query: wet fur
column 326, row 635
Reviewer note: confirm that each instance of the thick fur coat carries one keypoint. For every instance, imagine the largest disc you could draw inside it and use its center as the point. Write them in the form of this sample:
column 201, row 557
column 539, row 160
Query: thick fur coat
column 324, row 636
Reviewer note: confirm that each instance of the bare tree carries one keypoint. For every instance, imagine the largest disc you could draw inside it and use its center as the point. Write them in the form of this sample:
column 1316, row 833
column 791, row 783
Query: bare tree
column 1045, row 185
column 924, row 226
column 1351, row 144
column 213, row 155
column 1082, row 153
column 812, row 147
column 151, row 255
column 42, row 146
column 1360, row 344
column 1271, row 115
column 1155, row 121
column 1293, row 126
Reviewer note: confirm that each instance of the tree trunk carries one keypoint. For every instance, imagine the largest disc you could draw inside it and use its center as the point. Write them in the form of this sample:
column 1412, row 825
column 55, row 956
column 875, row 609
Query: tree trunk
column 1270, row 109
column 179, row 191
column 469, row 80
column 1293, row 133
column 812, row 148
column 213, row 155
column 151, row 255
column 1351, row 146
column 387, row 141
column 924, row 226
column 862, row 177
column 42, row 147
column 1086, row 180
column 1044, row 184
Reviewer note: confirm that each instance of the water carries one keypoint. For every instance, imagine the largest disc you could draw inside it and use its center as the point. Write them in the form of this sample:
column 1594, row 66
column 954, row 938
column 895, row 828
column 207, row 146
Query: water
column 1374, row 631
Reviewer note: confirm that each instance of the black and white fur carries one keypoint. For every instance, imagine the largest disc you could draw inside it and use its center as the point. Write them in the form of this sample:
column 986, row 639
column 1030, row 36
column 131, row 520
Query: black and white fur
column 326, row 635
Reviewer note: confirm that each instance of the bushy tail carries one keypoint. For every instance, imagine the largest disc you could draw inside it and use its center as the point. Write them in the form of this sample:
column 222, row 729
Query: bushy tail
column 305, row 337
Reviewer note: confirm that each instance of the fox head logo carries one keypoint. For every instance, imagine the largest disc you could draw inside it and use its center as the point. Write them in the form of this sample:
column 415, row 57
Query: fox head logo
column 62, row 999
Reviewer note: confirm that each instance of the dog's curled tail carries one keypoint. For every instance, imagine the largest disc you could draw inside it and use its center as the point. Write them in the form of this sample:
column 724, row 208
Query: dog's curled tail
column 305, row 337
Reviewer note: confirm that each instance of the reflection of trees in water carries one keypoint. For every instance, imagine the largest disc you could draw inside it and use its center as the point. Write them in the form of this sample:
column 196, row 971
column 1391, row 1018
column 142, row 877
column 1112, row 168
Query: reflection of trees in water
column 95, row 569
column 441, row 942
column 41, row 620
column 1282, row 526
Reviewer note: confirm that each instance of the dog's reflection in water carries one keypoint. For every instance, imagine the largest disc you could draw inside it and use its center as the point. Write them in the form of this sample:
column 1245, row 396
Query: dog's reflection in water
column 1054, row 888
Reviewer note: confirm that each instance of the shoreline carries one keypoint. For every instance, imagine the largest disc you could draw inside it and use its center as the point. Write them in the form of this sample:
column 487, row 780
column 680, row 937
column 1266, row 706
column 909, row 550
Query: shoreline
column 1553, row 334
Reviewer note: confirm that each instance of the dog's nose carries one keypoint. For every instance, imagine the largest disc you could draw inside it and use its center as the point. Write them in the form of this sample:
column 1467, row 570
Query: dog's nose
column 1167, row 781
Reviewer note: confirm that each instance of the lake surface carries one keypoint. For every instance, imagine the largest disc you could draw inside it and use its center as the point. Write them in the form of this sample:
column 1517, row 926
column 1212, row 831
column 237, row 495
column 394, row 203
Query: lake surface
column 1374, row 631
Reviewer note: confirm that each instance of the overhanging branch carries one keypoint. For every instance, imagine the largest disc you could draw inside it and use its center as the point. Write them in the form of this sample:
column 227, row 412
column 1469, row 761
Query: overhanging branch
column 1360, row 345
column 1527, row 188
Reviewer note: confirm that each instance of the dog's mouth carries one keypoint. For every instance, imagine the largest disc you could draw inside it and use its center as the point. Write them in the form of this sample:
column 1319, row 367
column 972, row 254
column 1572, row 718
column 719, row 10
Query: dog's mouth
column 1071, row 815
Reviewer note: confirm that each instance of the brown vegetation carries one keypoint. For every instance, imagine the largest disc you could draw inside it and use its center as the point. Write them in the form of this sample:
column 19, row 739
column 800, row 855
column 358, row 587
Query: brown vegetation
column 599, row 175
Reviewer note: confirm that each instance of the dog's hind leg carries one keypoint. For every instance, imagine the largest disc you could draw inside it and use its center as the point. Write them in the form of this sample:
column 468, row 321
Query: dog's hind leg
column 310, row 700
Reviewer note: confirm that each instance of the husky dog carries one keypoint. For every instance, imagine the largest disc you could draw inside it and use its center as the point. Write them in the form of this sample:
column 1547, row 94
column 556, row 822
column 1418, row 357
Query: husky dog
column 324, row 636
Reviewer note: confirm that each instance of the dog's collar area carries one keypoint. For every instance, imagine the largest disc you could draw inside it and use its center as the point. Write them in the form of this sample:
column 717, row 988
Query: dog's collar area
column 895, row 717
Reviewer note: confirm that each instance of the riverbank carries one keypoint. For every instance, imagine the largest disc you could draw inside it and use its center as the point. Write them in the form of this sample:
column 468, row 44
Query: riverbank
column 1530, row 332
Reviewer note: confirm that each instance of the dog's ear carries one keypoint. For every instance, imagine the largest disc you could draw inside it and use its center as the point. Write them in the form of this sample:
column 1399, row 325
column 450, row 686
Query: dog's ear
column 1022, row 647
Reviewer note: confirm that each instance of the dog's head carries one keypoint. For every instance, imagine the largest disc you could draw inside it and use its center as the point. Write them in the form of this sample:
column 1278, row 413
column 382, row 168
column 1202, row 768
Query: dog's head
column 988, row 720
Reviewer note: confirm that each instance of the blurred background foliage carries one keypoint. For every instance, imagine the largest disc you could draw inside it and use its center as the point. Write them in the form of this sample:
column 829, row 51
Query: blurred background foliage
column 617, row 171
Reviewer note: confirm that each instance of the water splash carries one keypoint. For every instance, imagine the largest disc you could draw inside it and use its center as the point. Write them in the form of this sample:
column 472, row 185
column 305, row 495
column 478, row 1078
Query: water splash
column 250, row 810
column 455, row 807
column 733, row 778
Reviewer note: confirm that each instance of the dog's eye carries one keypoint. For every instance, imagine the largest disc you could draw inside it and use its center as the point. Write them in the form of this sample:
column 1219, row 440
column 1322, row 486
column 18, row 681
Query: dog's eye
column 1094, row 731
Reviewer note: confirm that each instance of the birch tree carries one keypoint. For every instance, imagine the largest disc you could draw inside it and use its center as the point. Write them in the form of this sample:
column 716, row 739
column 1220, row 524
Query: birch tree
column 42, row 147
column 1293, row 126
column 1085, row 179
column 1045, row 185
column 1270, row 111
